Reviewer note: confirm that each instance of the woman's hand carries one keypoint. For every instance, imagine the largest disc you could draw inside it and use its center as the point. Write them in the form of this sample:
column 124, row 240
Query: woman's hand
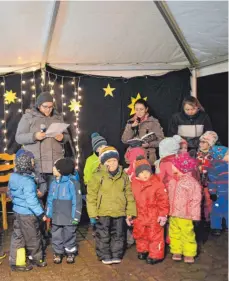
column 135, row 124
column 59, row 137
column 40, row 136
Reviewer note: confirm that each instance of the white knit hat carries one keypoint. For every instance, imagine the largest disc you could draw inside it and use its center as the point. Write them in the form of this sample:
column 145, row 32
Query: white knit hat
column 169, row 146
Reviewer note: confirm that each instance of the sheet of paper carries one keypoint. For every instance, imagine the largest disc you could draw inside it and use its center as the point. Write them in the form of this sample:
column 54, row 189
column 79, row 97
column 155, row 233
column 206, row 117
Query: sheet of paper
column 56, row 129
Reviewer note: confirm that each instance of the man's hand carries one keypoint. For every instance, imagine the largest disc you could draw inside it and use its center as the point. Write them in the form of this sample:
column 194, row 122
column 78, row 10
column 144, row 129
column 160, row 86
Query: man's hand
column 59, row 137
column 40, row 136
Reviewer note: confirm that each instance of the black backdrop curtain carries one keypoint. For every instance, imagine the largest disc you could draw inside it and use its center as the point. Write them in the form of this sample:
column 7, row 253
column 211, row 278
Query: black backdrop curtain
column 212, row 91
column 106, row 115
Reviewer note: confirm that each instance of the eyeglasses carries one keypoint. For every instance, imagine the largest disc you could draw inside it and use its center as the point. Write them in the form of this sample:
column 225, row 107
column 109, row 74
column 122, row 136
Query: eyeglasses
column 47, row 107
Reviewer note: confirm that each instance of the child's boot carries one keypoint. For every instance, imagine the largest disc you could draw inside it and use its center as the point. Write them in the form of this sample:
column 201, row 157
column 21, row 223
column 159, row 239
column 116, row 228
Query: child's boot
column 189, row 260
column 40, row 263
column 153, row 261
column 57, row 259
column 70, row 258
column 21, row 268
column 142, row 256
column 177, row 257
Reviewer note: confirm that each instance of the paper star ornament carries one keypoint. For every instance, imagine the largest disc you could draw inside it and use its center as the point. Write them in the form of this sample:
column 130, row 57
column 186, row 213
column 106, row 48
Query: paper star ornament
column 9, row 97
column 108, row 91
column 133, row 101
column 74, row 105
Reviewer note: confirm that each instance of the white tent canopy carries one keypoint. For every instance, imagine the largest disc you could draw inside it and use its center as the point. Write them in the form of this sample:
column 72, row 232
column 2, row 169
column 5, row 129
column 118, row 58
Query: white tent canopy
column 121, row 38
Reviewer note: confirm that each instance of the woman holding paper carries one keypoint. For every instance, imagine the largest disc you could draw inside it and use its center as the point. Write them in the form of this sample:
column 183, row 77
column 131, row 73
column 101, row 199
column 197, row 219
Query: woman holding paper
column 31, row 134
column 141, row 124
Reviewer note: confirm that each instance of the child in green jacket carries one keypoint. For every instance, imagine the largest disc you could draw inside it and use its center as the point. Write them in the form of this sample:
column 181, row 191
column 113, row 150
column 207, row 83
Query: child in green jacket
column 110, row 203
column 92, row 162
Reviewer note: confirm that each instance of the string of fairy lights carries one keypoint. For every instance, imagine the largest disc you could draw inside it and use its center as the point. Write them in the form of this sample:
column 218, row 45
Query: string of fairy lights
column 28, row 91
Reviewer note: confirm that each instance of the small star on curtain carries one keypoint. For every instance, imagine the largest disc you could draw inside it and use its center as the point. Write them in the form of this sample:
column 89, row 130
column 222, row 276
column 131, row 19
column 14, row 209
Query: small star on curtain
column 108, row 91
column 133, row 101
column 74, row 105
column 9, row 97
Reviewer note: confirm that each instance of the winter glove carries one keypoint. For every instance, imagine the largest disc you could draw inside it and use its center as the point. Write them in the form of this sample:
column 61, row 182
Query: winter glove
column 162, row 220
column 75, row 222
column 93, row 221
column 213, row 197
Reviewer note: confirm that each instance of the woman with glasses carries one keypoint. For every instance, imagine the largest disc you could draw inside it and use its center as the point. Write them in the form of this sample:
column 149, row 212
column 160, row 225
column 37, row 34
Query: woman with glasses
column 31, row 134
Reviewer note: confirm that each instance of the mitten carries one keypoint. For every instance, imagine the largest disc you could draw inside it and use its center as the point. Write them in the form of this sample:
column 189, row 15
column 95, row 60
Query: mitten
column 75, row 222
column 162, row 220
column 93, row 221
column 213, row 197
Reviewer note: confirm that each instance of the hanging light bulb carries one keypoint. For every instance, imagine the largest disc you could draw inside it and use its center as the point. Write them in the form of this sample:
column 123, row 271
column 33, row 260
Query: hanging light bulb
column 19, row 110
column 3, row 121
column 33, row 95
column 64, row 104
column 5, row 148
column 4, row 131
column 64, row 113
column 33, row 87
column 6, row 111
column 62, row 96
column 5, row 140
column 75, row 93
column 19, row 100
column 32, row 80
column 23, row 92
column 73, row 83
column 61, row 86
column 2, row 83
column 23, row 82
column 52, row 92
column 79, row 88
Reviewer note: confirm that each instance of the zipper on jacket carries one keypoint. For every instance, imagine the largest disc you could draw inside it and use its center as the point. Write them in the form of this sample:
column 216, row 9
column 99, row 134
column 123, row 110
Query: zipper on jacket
column 100, row 200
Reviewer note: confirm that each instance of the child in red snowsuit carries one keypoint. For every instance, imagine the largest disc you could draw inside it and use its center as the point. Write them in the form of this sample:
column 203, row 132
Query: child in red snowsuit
column 152, row 210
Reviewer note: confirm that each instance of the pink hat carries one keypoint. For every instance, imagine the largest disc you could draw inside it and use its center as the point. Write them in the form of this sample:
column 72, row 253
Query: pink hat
column 132, row 153
column 210, row 137
column 184, row 163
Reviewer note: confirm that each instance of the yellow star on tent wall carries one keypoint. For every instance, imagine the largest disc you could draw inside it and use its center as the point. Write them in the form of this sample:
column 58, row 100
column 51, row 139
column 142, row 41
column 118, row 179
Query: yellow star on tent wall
column 108, row 91
column 74, row 105
column 9, row 97
column 133, row 100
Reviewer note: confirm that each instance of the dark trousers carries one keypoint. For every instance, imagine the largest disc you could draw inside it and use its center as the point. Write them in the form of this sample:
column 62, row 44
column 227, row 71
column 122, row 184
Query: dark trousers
column 26, row 238
column 110, row 237
column 64, row 239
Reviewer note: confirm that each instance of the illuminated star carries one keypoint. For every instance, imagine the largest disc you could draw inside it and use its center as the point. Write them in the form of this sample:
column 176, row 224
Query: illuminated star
column 133, row 101
column 9, row 97
column 74, row 105
column 108, row 91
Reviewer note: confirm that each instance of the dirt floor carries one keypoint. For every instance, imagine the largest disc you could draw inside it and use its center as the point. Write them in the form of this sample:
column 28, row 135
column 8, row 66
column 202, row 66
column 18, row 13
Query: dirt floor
column 211, row 265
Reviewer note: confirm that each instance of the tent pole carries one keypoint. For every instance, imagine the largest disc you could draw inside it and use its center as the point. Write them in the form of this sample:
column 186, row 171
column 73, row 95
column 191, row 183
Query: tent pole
column 194, row 83
column 50, row 33
column 172, row 24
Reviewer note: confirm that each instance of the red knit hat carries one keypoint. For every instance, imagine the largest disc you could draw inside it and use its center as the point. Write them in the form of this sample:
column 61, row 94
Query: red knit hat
column 141, row 165
column 184, row 163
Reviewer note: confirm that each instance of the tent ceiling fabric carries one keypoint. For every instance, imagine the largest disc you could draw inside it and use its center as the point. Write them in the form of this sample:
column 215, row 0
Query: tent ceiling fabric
column 98, row 37
column 204, row 25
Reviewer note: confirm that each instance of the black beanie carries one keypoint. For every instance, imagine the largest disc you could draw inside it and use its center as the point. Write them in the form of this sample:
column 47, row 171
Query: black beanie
column 44, row 97
column 65, row 166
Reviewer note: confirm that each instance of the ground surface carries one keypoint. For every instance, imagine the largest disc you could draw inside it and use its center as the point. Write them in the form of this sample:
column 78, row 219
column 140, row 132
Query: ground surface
column 211, row 265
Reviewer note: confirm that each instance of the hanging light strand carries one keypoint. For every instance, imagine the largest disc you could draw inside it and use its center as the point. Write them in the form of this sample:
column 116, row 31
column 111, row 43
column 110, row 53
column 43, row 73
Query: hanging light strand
column 33, row 80
column 6, row 111
column 77, row 124
column 62, row 96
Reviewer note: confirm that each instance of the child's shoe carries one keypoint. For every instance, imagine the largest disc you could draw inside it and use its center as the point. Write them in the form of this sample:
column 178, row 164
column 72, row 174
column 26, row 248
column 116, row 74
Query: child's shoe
column 153, row 261
column 39, row 263
column 177, row 257
column 189, row 260
column 21, row 268
column 142, row 256
column 116, row 260
column 57, row 259
column 107, row 261
column 216, row 232
column 70, row 258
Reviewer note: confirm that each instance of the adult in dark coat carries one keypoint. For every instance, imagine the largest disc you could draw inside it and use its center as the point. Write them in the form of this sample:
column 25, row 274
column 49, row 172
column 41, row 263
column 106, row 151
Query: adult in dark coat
column 190, row 123
column 30, row 134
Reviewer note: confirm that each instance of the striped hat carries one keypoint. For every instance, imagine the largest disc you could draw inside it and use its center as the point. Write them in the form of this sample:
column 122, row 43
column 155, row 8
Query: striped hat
column 141, row 165
column 108, row 152
column 97, row 141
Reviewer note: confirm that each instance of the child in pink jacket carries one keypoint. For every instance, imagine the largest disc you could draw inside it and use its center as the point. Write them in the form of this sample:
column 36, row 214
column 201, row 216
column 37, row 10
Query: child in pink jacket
column 185, row 200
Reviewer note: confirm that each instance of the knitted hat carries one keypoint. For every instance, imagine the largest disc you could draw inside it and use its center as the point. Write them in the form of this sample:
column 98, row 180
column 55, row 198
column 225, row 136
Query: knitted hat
column 97, row 141
column 210, row 137
column 65, row 166
column 141, row 165
column 169, row 146
column 23, row 151
column 133, row 152
column 185, row 163
column 23, row 164
column 108, row 152
column 44, row 97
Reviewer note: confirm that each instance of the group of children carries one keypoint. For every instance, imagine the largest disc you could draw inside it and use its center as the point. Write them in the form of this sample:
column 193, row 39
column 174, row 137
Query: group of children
column 169, row 200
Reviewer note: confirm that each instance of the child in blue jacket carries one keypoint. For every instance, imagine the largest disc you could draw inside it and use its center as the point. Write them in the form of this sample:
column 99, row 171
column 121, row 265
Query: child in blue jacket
column 26, row 236
column 64, row 206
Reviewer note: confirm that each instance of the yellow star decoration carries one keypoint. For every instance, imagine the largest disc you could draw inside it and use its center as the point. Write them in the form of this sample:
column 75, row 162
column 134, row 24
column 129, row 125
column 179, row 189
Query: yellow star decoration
column 74, row 105
column 133, row 100
column 108, row 91
column 9, row 97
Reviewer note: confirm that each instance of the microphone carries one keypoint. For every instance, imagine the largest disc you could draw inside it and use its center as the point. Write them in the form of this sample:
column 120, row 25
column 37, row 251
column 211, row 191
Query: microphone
column 136, row 129
column 43, row 128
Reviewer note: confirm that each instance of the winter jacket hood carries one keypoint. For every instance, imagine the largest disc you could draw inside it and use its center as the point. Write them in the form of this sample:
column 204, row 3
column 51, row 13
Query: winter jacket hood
column 91, row 165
